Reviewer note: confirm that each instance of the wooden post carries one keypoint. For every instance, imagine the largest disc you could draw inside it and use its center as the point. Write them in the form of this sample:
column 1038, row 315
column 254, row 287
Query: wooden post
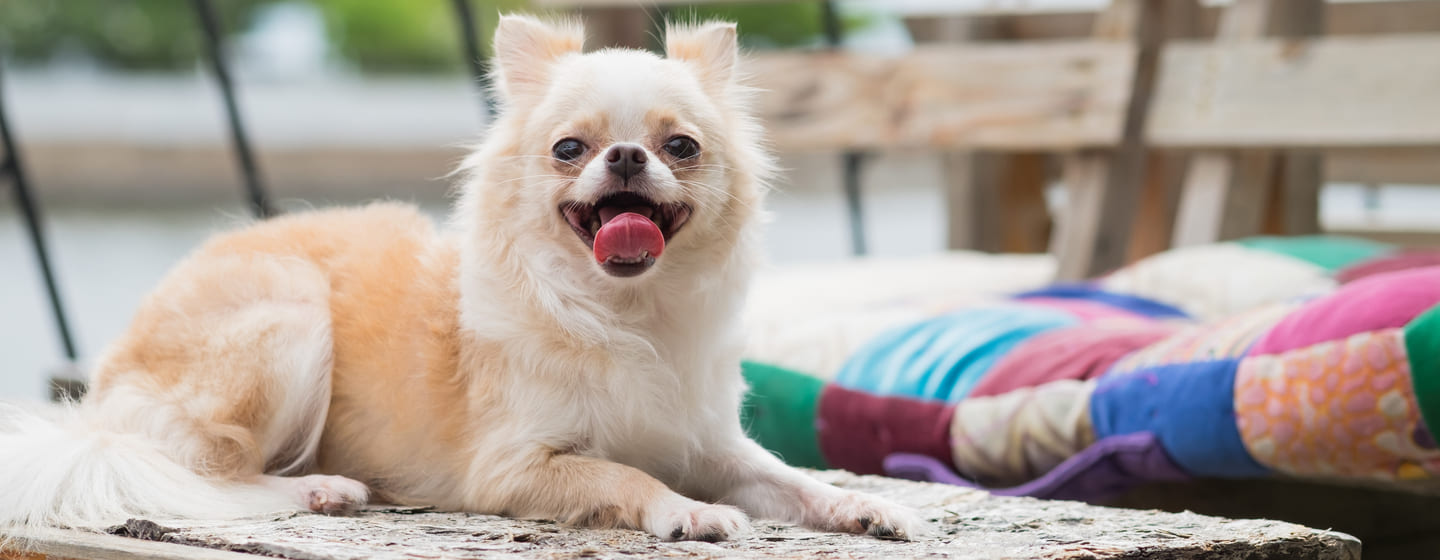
column 995, row 201
column 616, row 26
column 1301, row 173
column 1226, row 192
column 1225, row 196
column 1164, row 169
column 1093, row 234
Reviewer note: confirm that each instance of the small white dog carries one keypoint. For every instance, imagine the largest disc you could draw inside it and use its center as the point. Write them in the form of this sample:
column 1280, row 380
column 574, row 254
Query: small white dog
column 570, row 353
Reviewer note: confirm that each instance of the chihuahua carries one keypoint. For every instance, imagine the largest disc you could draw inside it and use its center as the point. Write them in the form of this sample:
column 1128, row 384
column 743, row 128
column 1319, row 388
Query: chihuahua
column 571, row 351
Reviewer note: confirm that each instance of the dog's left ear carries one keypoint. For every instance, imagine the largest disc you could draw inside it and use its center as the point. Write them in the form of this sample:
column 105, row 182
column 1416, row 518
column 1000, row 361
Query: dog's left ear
column 710, row 49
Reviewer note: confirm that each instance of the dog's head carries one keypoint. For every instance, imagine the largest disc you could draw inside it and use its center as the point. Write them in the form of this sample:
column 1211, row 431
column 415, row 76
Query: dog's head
column 617, row 162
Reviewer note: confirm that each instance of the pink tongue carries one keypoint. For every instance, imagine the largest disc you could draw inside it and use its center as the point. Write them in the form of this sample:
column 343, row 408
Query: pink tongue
column 628, row 236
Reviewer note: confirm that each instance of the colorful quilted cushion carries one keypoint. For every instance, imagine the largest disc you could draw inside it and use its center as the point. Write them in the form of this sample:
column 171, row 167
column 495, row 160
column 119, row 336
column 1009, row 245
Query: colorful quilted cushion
column 1243, row 359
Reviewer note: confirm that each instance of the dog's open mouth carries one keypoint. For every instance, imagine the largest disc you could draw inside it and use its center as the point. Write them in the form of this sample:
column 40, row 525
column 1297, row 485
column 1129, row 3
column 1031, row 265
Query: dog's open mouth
column 626, row 231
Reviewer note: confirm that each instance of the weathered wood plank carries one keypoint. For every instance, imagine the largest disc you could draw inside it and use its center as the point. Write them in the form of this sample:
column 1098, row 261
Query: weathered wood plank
column 1357, row 92
column 966, row 524
column 1331, row 92
column 56, row 544
column 1032, row 96
column 1028, row 21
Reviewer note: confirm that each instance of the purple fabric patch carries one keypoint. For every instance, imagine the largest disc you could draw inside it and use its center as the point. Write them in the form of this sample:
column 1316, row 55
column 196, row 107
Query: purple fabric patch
column 1102, row 471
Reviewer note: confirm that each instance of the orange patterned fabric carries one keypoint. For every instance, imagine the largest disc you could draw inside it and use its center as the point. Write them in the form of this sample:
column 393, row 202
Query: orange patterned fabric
column 1339, row 408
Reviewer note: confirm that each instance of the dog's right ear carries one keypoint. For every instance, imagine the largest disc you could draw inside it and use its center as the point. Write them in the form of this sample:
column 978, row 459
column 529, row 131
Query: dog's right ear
column 525, row 49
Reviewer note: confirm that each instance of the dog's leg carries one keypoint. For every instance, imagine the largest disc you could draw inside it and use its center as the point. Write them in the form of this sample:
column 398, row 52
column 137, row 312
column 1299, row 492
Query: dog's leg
column 745, row 474
column 591, row 492
column 227, row 370
column 320, row 493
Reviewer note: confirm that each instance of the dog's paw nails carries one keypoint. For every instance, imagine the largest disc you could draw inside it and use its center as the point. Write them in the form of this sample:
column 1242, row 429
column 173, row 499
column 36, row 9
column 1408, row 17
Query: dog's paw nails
column 695, row 521
column 332, row 495
column 869, row 515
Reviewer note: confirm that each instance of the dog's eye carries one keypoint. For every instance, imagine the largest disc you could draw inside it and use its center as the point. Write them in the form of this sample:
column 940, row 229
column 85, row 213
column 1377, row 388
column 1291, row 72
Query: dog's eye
column 682, row 147
column 568, row 149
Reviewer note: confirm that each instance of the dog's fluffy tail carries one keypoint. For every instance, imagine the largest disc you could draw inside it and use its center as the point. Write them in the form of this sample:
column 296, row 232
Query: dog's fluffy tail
column 58, row 470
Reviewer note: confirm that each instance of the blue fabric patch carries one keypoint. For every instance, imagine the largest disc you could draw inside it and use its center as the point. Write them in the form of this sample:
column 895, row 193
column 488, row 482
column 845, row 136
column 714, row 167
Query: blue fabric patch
column 1088, row 292
column 943, row 358
column 1189, row 406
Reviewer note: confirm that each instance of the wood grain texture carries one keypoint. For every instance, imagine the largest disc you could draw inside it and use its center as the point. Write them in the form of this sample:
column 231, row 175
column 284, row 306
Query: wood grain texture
column 966, row 524
column 56, row 544
column 1332, row 92
column 1326, row 93
column 1032, row 96
column 1031, row 21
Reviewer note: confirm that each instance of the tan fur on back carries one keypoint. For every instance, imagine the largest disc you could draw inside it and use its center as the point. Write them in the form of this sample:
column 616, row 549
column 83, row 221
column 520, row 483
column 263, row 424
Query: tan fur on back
column 394, row 311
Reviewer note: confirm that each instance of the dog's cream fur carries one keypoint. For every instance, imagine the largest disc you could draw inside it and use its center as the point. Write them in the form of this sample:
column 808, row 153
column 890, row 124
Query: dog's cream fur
column 496, row 370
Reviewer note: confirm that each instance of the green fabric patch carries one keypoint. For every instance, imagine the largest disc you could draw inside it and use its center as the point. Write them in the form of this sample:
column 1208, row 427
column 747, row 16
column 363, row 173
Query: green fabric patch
column 1330, row 252
column 1422, row 345
column 780, row 411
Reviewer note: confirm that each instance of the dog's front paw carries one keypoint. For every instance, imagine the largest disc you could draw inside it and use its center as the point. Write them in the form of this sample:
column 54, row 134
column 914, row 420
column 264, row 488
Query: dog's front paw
column 854, row 512
column 683, row 519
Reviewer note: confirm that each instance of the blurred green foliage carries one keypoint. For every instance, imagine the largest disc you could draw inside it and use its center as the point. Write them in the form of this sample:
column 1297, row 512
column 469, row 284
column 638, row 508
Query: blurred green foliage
column 405, row 35
column 127, row 34
column 370, row 35
column 769, row 25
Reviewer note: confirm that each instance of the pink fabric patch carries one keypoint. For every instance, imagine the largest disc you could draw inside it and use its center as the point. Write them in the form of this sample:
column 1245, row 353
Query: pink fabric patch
column 1080, row 352
column 1384, row 301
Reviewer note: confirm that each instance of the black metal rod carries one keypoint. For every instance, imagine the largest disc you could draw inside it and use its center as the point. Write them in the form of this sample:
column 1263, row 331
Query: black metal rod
column 830, row 19
column 260, row 202
column 854, row 161
column 474, row 57
column 31, row 214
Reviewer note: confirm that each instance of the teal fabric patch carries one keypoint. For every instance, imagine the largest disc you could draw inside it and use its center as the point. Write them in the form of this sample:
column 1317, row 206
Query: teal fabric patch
column 1330, row 252
column 944, row 357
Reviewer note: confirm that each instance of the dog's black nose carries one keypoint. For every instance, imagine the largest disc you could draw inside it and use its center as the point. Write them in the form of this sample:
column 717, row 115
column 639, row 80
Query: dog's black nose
column 626, row 160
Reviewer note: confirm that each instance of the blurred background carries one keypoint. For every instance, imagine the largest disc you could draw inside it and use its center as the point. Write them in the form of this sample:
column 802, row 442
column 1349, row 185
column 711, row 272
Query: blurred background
column 122, row 132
